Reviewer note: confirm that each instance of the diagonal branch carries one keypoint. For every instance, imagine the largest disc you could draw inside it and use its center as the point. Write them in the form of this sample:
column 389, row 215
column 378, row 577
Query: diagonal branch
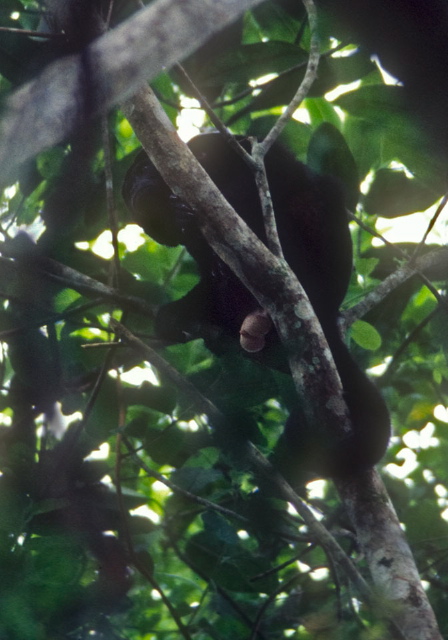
column 45, row 111
column 274, row 286
column 280, row 294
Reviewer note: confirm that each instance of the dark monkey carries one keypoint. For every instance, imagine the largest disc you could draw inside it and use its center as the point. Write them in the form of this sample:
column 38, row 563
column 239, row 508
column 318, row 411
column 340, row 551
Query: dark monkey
column 313, row 231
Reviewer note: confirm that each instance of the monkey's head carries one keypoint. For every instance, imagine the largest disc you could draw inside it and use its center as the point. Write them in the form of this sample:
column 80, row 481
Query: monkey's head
column 154, row 207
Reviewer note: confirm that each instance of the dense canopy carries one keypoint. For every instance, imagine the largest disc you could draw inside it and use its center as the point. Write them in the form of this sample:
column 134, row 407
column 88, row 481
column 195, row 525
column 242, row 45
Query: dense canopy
column 131, row 503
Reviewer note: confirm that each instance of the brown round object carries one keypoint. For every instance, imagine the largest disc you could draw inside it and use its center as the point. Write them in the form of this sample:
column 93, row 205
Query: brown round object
column 257, row 323
column 253, row 329
column 252, row 344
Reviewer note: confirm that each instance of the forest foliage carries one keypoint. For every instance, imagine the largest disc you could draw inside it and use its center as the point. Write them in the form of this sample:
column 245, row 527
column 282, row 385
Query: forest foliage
column 121, row 515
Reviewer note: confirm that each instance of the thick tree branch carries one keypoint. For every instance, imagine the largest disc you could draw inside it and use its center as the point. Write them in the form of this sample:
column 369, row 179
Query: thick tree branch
column 388, row 555
column 278, row 291
column 46, row 111
column 275, row 286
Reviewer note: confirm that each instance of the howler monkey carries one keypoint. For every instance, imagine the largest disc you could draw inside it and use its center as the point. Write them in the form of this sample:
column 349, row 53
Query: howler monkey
column 313, row 231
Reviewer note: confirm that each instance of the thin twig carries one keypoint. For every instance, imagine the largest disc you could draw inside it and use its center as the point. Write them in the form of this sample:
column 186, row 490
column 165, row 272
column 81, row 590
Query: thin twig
column 110, row 202
column 215, row 119
column 176, row 489
column 430, row 226
column 305, row 86
column 257, row 167
column 34, row 34
column 267, row 603
column 202, row 403
column 141, row 566
column 392, row 364
column 413, row 266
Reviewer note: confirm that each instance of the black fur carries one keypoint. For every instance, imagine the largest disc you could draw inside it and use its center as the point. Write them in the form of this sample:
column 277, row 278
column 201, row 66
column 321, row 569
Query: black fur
column 313, row 230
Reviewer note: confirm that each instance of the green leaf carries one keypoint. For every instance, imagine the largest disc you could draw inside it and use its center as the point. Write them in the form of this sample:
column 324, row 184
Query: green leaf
column 328, row 154
column 393, row 194
column 195, row 480
column 49, row 162
column 219, row 527
column 365, row 335
column 382, row 129
column 366, row 266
